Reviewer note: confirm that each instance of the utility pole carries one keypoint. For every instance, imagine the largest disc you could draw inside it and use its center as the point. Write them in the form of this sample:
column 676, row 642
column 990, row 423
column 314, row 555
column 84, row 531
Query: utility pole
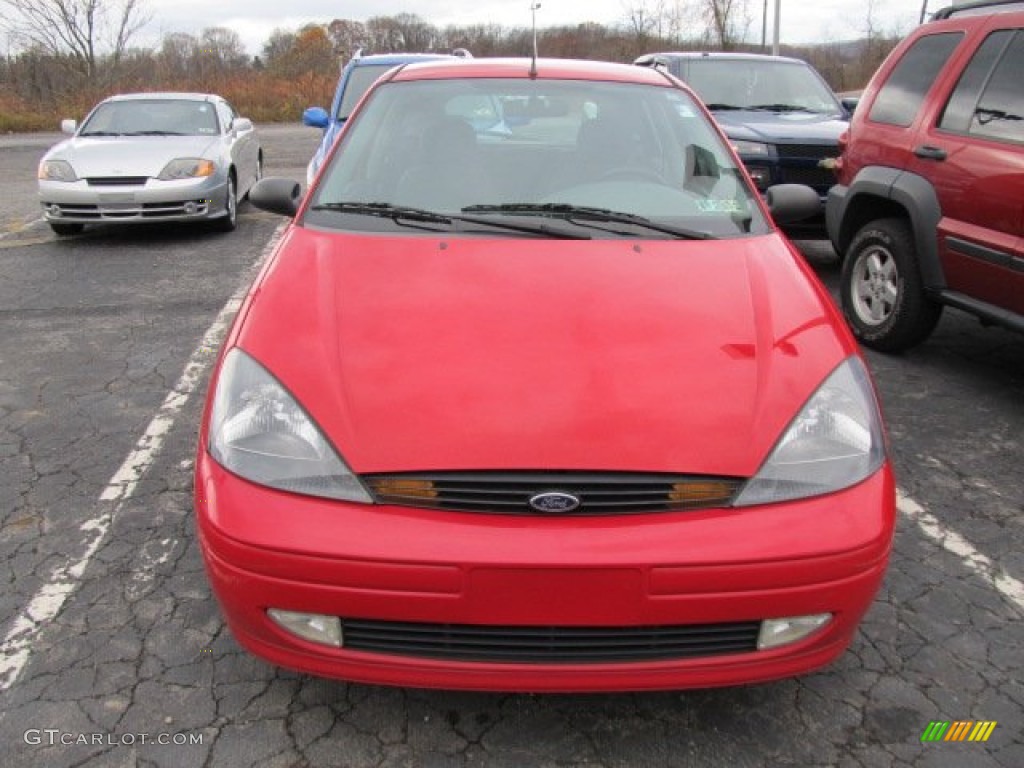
column 778, row 16
column 764, row 26
column 533, row 11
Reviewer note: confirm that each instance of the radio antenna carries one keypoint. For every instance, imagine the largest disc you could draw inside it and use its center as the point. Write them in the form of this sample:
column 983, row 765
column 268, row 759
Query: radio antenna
column 533, row 63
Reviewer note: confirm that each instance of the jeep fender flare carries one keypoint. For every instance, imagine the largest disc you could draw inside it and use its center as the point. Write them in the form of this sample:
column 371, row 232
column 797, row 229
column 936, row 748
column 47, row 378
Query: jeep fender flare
column 879, row 192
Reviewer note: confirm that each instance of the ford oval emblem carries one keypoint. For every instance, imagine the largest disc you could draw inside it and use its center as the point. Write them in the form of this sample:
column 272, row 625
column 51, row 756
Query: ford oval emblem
column 554, row 501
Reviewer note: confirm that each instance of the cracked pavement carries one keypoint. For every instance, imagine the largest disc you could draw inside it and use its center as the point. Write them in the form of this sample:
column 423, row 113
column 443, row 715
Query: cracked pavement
column 97, row 329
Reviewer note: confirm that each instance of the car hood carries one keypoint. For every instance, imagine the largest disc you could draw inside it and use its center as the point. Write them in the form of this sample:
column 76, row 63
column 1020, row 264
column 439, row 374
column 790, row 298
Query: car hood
column 128, row 156
column 748, row 125
column 419, row 353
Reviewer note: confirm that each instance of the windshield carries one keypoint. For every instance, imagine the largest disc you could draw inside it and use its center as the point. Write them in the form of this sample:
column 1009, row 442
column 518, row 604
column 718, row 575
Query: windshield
column 156, row 117
column 359, row 81
column 580, row 158
column 765, row 84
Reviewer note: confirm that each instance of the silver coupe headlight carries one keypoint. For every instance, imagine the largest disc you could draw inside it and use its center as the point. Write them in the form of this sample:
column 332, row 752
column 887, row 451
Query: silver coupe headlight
column 836, row 441
column 258, row 431
column 56, row 170
column 187, row 168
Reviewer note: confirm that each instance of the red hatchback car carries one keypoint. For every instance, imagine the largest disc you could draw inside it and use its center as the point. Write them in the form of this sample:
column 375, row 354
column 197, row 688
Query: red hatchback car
column 534, row 396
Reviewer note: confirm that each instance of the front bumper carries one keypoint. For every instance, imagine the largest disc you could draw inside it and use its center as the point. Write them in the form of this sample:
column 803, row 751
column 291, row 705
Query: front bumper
column 266, row 549
column 147, row 200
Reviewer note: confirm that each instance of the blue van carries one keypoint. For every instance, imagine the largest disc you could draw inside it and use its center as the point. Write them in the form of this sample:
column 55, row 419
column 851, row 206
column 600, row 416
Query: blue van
column 356, row 77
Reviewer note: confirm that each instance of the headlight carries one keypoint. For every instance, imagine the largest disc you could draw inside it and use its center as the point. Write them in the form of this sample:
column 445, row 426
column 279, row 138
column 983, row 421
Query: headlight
column 834, row 442
column 187, row 168
column 259, row 431
column 56, row 170
column 755, row 148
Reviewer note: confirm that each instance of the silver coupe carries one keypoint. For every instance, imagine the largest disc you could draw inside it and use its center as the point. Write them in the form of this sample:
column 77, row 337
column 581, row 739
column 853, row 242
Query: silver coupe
column 151, row 157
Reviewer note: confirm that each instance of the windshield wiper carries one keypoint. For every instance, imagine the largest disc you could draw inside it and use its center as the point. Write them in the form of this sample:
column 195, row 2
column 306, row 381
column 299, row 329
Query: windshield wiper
column 717, row 107
column 779, row 108
column 99, row 133
column 398, row 213
column 155, row 133
column 582, row 215
column 386, row 211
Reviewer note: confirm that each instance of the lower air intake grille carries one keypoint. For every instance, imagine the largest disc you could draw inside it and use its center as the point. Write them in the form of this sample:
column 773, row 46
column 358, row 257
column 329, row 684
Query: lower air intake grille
column 117, row 181
column 549, row 645
column 597, row 493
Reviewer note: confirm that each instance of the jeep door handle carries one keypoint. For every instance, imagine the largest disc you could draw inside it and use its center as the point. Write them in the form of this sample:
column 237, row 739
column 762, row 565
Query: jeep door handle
column 928, row 152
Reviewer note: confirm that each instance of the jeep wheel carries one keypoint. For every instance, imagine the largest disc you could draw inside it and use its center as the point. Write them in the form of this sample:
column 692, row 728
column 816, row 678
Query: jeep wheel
column 882, row 292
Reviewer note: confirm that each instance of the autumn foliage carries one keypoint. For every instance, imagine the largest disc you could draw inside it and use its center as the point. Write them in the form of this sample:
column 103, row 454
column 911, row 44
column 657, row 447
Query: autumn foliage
column 299, row 69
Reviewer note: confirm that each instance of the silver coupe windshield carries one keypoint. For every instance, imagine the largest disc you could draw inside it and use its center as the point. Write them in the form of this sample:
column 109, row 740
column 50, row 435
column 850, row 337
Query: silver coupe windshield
column 156, row 117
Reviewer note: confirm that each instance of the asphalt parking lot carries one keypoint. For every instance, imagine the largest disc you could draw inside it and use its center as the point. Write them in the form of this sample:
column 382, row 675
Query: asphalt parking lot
column 114, row 653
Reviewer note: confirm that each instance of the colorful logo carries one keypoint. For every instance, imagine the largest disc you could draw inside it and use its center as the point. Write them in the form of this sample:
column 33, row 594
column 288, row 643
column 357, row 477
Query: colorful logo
column 958, row 730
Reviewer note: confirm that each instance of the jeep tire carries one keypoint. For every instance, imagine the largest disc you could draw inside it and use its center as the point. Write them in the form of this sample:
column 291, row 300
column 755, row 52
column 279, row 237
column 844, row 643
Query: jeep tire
column 882, row 291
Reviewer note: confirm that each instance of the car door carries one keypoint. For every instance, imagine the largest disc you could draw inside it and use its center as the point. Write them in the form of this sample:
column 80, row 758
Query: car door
column 243, row 148
column 973, row 153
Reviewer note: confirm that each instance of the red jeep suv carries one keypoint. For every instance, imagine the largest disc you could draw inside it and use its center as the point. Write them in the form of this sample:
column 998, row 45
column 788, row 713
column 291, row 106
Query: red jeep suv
column 929, row 208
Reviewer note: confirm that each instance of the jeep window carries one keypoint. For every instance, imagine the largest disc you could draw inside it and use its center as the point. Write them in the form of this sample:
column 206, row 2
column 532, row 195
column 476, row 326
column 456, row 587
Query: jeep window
column 1000, row 112
column 359, row 81
column 962, row 109
column 901, row 96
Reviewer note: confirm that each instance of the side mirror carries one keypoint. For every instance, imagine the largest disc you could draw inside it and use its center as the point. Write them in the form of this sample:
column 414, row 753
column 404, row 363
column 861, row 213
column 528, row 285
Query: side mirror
column 276, row 195
column 241, row 125
column 316, row 117
column 789, row 203
column 850, row 103
column 68, row 126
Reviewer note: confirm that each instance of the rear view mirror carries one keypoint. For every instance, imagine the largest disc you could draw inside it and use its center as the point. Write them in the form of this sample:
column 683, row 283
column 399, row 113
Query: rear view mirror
column 315, row 117
column 276, row 195
column 789, row 203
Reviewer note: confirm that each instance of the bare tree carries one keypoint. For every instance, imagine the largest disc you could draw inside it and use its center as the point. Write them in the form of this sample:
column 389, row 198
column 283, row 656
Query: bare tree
column 85, row 33
column 728, row 21
column 347, row 36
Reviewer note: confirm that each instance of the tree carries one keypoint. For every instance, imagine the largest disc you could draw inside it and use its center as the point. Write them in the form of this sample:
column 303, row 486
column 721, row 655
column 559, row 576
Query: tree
column 728, row 21
column 347, row 36
column 84, row 33
column 291, row 55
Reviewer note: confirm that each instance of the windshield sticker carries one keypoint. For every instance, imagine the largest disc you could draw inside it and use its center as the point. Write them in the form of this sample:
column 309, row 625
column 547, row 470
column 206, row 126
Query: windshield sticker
column 719, row 205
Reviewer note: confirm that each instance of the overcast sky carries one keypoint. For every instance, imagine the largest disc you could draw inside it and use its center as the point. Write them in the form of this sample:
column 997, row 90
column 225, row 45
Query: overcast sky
column 803, row 21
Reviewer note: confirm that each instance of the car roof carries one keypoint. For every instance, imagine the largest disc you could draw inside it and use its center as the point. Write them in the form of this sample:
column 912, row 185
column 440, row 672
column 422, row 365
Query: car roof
column 163, row 95
column 396, row 58
column 554, row 69
column 978, row 8
column 719, row 55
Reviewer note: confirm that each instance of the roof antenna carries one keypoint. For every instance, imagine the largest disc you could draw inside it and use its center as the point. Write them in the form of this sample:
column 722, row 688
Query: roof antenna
column 533, row 63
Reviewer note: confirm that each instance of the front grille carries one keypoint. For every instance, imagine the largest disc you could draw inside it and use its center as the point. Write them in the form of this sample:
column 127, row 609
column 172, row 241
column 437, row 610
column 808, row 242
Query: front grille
column 116, row 181
column 819, row 178
column 599, row 493
column 549, row 645
column 811, row 151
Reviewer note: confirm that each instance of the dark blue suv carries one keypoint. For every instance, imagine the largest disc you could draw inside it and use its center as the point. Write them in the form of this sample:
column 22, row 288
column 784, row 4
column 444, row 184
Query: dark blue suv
column 779, row 113
column 356, row 78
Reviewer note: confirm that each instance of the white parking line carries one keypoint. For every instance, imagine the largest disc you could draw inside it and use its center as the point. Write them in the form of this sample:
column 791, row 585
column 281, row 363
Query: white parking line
column 980, row 565
column 48, row 601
